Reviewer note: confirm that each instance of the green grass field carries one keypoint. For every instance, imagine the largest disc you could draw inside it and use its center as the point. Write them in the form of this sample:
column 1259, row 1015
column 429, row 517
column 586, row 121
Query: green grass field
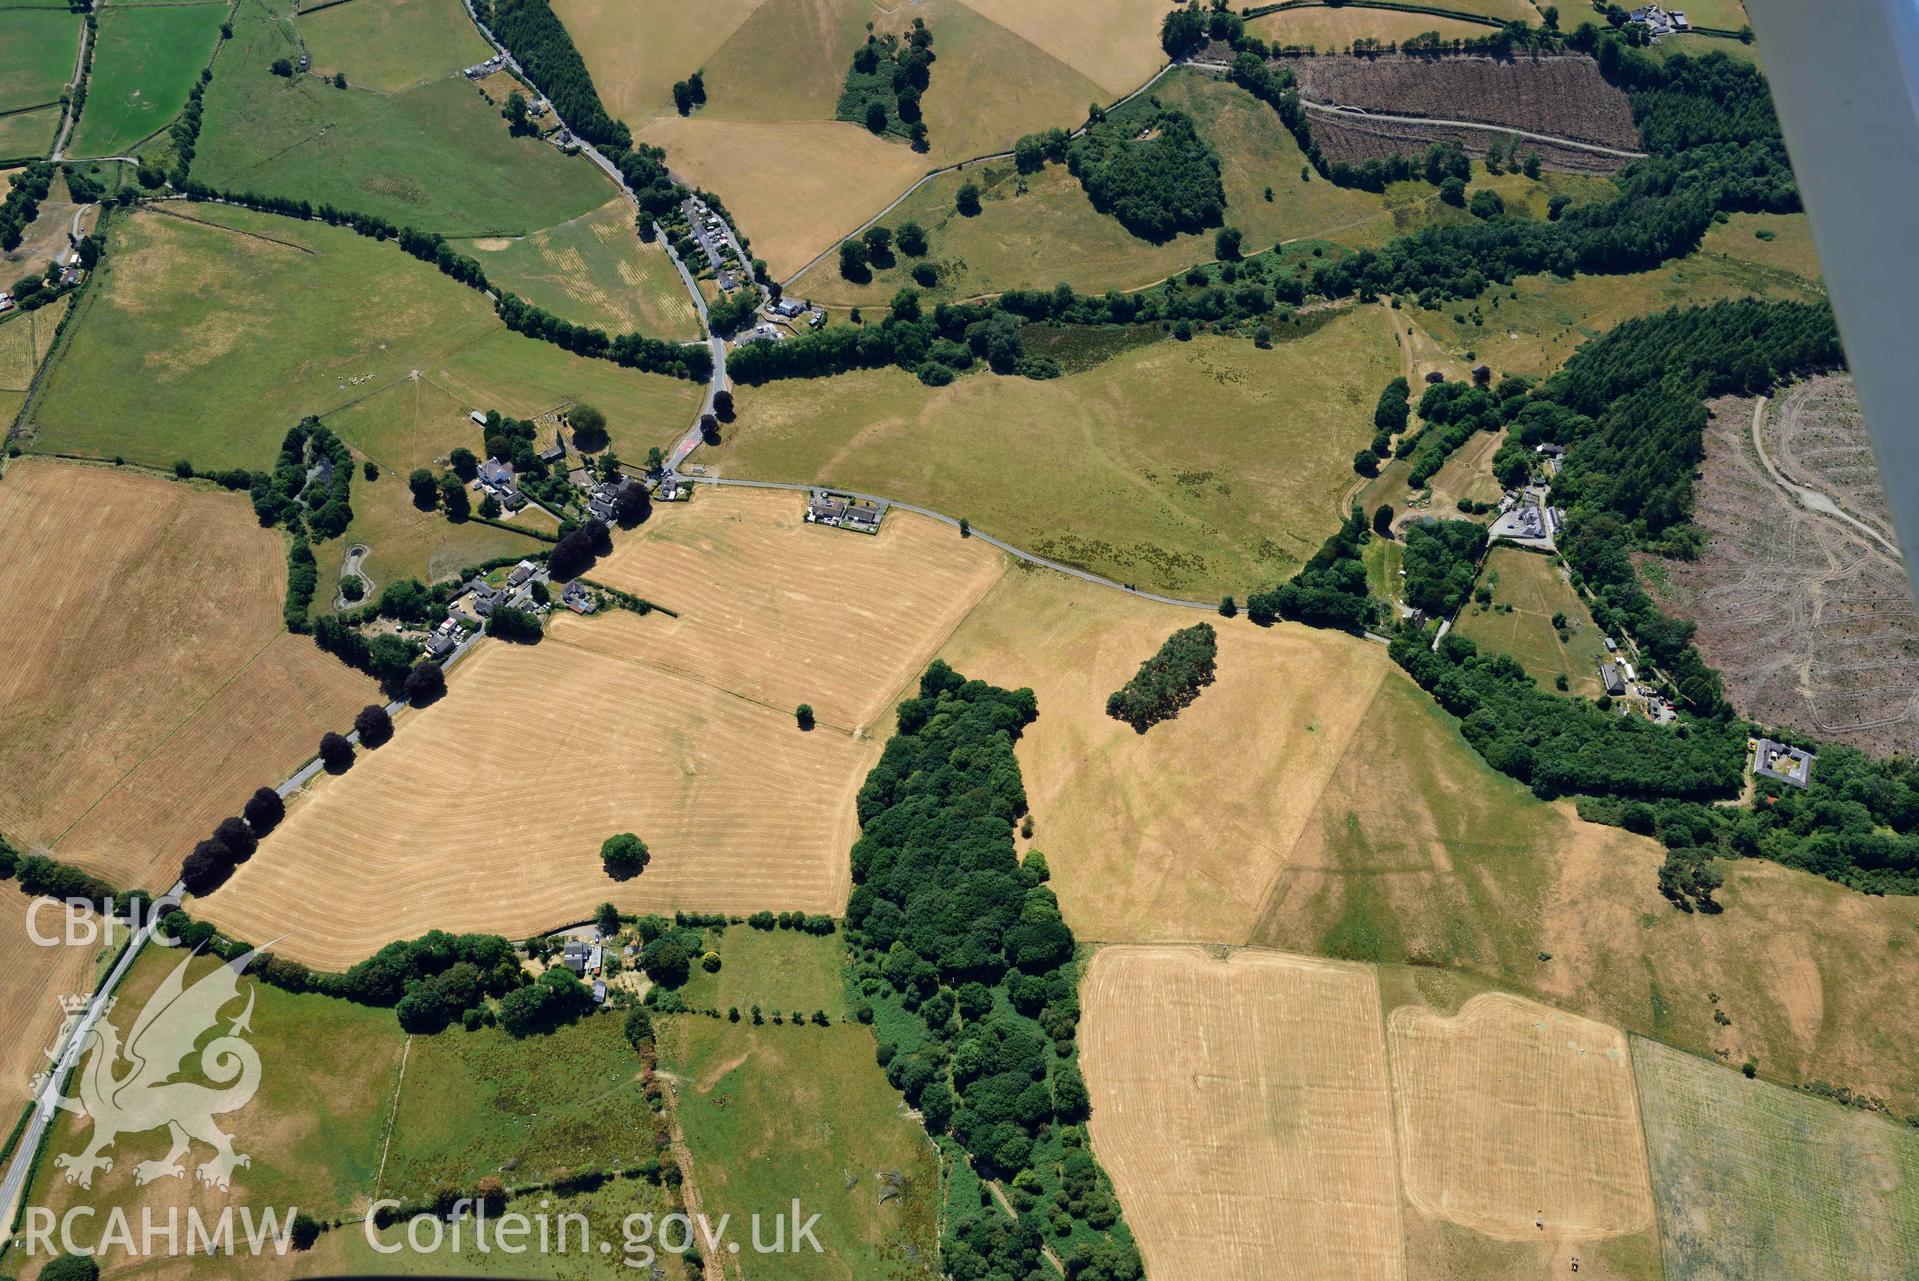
column 37, row 48
column 1197, row 468
column 147, row 61
column 436, row 156
column 482, row 1103
column 1756, row 1181
column 594, row 270
column 390, row 45
column 1530, row 583
column 28, row 134
column 773, row 1113
column 313, row 1129
column 782, row 970
column 288, row 319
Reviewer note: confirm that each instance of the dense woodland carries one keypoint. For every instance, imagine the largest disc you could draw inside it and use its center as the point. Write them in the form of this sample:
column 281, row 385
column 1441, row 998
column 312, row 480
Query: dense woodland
column 1329, row 590
column 542, row 46
column 1155, row 174
column 1441, row 561
column 1169, row 680
column 970, row 981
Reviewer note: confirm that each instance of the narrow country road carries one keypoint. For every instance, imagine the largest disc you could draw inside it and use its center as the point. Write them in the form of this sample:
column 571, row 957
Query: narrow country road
column 1809, row 498
column 67, row 118
column 67, row 1057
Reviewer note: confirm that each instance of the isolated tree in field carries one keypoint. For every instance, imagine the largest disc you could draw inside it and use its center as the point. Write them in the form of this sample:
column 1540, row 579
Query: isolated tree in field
column 425, row 684
column 967, row 199
column 589, row 428
column 375, row 726
column 463, row 463
column 282, row 67
column 723, row 404
column 306, row 1231
column 264, row 810
column 425, row 489
column 237, row 837
column 339, row 80
column 336, row 753
column 624, row 855
column 371, row 470
column 710, row 428
column 853, row 260
column 804, row 715
column 911, row 239
column 696, row 84
column 683, row 97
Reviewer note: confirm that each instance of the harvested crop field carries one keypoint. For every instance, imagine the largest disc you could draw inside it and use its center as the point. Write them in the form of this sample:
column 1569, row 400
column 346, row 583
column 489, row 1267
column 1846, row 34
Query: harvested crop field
column 740, row 809
column 150, row 685
column 1242, row 1110
column 1114, row 43
column 1759, row 1183
column 32, row 981
column 636, row 49
column 1563, row 96
column 796, row 187
column 24, row 343
column 1160, row 836
column 780, row 612
column 1516, row 1119
column 1809, row 619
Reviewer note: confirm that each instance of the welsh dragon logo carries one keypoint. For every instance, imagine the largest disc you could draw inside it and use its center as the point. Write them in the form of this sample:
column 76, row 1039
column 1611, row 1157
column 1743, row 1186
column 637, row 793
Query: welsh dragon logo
column 145, row 1097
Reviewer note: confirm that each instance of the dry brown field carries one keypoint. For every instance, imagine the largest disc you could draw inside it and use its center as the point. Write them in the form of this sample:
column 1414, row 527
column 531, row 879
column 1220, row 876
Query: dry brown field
column 1163, row 837
column 1565, row 96
column 796, row 187
column 150, row 686
column 487, row 810
column 1516, row 1120
column 1114, row 43
column 1810, row 620
column 780, row 612
column 1242, row 1110
column 636, row 49
column 1329, row 29
column 32, row 981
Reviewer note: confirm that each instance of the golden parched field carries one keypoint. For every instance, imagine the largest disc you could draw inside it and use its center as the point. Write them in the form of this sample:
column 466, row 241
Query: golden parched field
column 487, row 810
column 150, row 684
column 32, row 981
column 1350, row 819
column 1242, row 1110
column 1517, row 1120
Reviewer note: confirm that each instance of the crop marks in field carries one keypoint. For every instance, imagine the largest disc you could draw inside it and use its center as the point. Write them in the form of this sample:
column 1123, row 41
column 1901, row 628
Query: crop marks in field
column 1242, row 1109
column 1760, row 1183
column 1516, row 1119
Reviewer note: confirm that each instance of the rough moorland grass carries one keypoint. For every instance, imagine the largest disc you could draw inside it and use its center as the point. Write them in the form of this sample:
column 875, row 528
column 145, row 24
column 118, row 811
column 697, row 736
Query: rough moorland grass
column 772, row 1113
column 313, row 1129
column 391, row 45
column 1050, row 231
column 594, row 270
column 146, row 63
column 1782, row 241
column 37, row 48
column 1530, row 583
column 1757, row 1181
column 436, row 156
column 782, row 970
column 1535, row 332
column 480, row 1103
column 290, row 318
column 1090, row 468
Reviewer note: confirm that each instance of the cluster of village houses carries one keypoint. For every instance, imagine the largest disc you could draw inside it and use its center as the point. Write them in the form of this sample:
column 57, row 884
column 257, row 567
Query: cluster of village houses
column 844, row 511
column 1659, row 22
